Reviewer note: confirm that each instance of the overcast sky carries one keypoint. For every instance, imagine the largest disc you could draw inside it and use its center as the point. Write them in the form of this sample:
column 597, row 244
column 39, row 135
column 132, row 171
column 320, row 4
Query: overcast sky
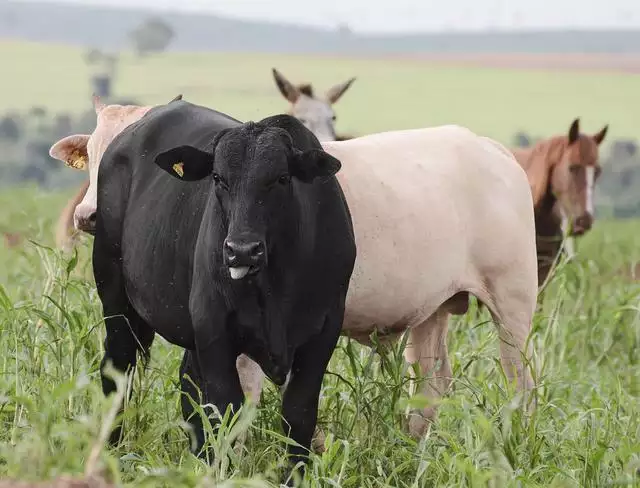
column 414, row 15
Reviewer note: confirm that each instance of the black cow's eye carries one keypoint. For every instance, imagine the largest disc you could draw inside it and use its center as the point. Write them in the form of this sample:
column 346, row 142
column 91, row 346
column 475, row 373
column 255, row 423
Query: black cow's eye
column 219, row 182
column 283, row 180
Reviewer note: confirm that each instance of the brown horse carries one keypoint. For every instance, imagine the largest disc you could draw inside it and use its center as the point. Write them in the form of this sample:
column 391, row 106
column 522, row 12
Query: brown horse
column 562, row 172
column 316, row 113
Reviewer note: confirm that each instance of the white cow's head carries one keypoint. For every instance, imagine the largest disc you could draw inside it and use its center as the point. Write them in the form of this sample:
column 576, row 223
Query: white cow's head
column 84, row 152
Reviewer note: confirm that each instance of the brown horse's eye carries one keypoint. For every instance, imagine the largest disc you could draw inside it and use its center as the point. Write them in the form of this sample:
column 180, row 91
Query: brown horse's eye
column 575, row 168
column 598, row 170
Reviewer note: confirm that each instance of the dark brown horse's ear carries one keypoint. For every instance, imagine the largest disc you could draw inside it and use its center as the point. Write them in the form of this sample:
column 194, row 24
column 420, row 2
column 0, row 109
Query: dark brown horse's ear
column 287, row 89
column 574, row 131
column 599, row 137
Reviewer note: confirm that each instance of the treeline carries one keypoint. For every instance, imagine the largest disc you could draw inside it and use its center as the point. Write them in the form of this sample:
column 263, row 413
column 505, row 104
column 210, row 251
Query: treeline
column 106, row 27
column 25, row 139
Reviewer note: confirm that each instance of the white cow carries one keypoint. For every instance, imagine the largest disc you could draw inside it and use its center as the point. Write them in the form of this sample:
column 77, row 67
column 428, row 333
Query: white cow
column 84, row 152
column 439, row 213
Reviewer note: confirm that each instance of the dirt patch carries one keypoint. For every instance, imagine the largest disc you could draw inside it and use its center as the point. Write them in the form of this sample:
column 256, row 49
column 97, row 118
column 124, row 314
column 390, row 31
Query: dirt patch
column 62, row 482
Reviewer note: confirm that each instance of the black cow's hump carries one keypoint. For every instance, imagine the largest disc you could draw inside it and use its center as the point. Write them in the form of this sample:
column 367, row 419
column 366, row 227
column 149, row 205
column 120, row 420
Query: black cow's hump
column 166, row 126
column 303, row 139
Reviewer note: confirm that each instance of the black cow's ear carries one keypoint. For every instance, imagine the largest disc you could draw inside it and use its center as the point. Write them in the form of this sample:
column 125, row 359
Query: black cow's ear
column 309, row 165
column 186, row 163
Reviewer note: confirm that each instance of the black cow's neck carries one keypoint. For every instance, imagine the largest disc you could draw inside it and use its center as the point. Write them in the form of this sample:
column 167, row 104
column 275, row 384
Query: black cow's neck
column 260, row 305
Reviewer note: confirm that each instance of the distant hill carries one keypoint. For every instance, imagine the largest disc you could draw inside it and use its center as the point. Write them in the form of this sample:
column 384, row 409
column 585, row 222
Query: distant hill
column 107, row 28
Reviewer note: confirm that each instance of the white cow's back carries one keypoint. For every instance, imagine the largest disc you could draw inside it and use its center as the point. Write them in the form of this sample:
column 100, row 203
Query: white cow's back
column 450, row 210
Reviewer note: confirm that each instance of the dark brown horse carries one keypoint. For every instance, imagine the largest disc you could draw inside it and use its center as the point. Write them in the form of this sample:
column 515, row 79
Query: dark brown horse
column 562, row 172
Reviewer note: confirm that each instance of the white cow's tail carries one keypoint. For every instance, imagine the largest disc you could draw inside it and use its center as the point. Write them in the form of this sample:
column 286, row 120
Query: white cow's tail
column 64, row 227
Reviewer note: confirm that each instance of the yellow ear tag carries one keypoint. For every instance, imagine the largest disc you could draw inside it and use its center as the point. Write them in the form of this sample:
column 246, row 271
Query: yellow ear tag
column 179, row 168
column 76, row 160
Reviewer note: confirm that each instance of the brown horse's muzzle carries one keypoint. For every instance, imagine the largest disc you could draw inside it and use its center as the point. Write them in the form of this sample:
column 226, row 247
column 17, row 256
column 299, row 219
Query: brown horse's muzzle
column 582, row 224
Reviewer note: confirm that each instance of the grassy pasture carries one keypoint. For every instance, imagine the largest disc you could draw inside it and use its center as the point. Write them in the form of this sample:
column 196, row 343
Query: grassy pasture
column 388, row 94
column 584, row 433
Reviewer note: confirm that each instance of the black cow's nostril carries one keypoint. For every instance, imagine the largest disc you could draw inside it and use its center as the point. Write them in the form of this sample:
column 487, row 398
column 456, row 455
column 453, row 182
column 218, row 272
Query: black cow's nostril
column 257, row 249
column 243, row 251
column 92, row 218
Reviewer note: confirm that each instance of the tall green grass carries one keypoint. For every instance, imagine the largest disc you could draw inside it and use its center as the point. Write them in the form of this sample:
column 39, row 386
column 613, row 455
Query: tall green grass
column 584, row 433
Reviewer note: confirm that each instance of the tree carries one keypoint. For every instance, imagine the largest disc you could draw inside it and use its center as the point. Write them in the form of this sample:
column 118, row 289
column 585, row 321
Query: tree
column 153, row 35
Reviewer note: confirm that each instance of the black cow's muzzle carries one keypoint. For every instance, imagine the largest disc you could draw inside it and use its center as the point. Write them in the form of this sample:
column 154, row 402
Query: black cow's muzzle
column 244, row 258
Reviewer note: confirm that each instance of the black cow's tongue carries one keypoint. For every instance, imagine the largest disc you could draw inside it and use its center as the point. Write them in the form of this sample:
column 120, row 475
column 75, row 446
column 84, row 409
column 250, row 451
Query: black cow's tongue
column 238, row 272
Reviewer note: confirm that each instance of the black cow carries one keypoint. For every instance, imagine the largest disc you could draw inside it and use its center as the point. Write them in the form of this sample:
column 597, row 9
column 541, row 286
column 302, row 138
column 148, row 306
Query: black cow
column 242, row 245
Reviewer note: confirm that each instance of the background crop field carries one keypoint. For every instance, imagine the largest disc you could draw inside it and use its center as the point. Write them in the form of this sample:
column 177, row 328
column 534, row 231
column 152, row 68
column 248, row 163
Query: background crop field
column 586, row 429
column 393, row 93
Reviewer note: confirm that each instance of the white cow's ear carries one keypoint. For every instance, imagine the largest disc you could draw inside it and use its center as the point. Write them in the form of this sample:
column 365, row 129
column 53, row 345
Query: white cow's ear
column 186, row 163
column 309, row 165
column 72, row 151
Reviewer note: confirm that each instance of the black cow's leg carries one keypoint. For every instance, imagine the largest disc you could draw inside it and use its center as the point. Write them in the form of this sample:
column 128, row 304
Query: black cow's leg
column 300, row 401
column 126, row 334
column 220, row 380
column 125, row 337
column 190, row 382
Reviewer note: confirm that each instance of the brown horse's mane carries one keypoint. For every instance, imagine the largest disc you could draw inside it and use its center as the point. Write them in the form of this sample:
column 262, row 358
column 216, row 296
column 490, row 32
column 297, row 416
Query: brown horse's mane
column 538, row 161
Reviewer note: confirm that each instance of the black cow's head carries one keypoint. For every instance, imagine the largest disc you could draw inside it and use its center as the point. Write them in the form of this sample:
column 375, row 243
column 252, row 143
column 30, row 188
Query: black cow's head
column 254, row 170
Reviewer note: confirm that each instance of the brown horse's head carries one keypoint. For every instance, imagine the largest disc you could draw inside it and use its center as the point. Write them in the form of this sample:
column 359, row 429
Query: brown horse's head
column 573, row 177
column 316, row 113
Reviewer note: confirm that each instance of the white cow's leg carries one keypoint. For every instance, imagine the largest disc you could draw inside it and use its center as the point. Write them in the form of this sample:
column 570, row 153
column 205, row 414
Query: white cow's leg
column 512, row 310
column 251, row 377
column 427, row 347
column 251, row 381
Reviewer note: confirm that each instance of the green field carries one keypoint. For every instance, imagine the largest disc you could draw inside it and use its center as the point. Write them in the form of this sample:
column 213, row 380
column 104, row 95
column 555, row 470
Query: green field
column 585, row 431
column 388, row 94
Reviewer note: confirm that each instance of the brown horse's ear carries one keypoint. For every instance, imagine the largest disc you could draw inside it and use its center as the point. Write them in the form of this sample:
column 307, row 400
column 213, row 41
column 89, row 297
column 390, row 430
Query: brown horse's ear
column 335, row 92
column 574, row 131
column 287, row 89
column 599, row 137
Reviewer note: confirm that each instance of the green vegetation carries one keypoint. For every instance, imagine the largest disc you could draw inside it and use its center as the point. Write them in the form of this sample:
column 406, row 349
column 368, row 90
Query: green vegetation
column 584, row 433
column 586, row 429
column 388, row 94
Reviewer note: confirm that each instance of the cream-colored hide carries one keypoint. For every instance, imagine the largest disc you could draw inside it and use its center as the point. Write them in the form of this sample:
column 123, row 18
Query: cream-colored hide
column 436, row 212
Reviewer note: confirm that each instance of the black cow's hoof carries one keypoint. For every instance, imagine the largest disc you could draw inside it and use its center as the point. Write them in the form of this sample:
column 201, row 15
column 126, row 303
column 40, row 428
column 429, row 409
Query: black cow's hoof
column 292, row 476
column 115, row 436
